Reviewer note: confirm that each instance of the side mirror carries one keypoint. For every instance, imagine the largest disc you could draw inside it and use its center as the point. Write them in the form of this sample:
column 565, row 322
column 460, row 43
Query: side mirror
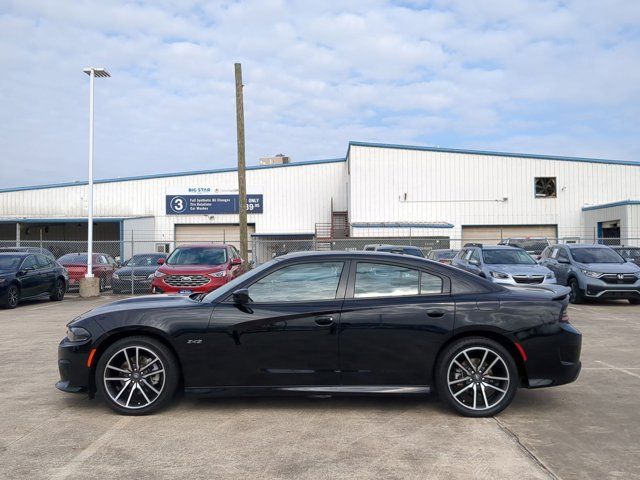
column 236, row 261
column 241, row 297
column 564, row 261
column 22, row 272
column 161, row 261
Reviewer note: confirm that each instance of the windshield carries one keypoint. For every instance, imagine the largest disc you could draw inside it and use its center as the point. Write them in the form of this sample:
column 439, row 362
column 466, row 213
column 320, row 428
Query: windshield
column 197, row 256
column 228, row 288
column 507, row 257
column 73, row 258
column 144, row 261
column 445, row 254
column 9, row 262
column 596, row 255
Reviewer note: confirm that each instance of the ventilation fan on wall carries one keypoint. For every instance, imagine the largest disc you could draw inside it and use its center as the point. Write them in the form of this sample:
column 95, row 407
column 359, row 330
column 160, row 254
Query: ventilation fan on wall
column 545, row 187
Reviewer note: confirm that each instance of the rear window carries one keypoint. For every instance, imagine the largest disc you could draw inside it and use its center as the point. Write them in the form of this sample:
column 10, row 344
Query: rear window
column 73, row 258
column 446, row 254
column 536, row 245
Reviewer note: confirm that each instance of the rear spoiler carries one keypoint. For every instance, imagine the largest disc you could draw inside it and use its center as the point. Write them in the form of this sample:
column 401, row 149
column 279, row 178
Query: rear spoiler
column 559, row 292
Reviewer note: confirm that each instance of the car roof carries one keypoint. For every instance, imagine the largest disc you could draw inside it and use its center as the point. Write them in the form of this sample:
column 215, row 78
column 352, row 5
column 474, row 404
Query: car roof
column 386, row 245
column 582, row 245
column 492, row 247
column 14, row 254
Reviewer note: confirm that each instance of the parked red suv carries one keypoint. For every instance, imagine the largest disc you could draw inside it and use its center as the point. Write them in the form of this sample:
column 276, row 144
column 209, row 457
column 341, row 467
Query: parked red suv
column 103, row 266
column 197, row 268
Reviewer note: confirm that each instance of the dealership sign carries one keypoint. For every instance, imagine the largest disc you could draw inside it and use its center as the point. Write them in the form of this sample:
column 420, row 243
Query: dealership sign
column 210, row 204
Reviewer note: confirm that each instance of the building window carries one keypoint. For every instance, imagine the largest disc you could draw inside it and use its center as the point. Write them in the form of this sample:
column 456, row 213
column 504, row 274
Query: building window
column 545, row 187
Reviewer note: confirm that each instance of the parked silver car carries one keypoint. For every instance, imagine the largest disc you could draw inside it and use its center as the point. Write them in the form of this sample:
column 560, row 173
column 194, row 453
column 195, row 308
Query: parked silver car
column 502, row 264
column 593, row 271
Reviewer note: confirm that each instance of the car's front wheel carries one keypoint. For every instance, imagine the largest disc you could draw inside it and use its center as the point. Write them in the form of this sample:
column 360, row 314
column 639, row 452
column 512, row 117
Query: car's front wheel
column 137, row 375
column 12, row 296
column 477, row 377
column 576, row 295
column 59, row 290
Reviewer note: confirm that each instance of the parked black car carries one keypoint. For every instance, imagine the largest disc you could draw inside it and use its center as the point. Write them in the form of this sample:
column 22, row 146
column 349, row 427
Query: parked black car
column 328, row 323
column 43, row 251
column 631, row 254
column 141, row 267
column 25, row 275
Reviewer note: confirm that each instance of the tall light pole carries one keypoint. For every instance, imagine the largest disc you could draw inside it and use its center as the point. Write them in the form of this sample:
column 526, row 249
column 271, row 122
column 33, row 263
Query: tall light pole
column 102, row 73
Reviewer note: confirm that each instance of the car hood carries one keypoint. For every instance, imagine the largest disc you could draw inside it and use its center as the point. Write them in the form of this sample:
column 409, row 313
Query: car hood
column 627, row 267
column 7, row 272
column 519, row 269
column 135, row 303
column 137, row 270
column 189, row 269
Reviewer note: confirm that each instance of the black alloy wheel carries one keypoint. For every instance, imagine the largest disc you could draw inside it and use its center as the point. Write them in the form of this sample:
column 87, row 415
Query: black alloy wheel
column 477, row 377
column 576, row 295
column 12, row 296
column 137, row 375
column 58, row 291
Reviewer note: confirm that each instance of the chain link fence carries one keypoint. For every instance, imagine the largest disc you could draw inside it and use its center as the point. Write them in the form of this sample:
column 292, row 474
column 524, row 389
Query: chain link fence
column 127, row 266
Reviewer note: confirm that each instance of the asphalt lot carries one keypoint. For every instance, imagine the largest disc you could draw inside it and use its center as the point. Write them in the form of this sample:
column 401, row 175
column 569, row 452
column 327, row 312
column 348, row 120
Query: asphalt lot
column 589, row 429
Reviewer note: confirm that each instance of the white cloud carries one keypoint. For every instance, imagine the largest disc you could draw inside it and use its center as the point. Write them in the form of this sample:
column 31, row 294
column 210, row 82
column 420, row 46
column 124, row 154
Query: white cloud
column 540, row 76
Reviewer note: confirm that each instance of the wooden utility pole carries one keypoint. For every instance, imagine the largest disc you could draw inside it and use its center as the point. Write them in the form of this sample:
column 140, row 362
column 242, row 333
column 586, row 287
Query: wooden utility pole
column 242, row 179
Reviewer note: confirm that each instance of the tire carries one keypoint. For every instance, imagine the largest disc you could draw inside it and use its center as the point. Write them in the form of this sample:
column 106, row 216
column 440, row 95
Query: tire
column 576, row 295
column 634, row 301
column 58, row 291
column 460, row 383
column 140, row 392
column 12, row 297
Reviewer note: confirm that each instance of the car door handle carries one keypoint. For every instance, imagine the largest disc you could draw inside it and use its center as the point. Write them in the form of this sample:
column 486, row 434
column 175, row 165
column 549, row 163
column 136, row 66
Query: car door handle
column 324, row 321
column 435, row 313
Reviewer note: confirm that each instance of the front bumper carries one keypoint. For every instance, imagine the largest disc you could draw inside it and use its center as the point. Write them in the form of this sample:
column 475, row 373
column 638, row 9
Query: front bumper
column 604, row 290
column 124, row 286
column 553, row 354
column 72, row 365
column 512, row 281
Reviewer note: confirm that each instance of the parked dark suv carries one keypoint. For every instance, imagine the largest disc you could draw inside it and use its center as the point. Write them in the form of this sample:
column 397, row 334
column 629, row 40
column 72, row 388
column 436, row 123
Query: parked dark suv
column 593, row 271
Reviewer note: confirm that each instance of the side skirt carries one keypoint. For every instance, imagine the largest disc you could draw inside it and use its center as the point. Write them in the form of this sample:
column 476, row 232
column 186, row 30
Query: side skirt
column 310, row 390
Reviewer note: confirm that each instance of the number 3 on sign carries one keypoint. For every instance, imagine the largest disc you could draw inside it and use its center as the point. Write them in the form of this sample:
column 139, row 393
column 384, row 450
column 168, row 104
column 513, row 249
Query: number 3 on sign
column 178, row 204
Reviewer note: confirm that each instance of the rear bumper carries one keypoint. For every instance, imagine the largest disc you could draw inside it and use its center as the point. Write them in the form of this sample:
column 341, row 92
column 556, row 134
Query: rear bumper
column 72, row 366
column 553, row 354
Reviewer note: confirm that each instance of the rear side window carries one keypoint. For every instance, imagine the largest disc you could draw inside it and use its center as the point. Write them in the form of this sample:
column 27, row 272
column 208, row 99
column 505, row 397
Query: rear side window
column 381, row 280
column 298, row 283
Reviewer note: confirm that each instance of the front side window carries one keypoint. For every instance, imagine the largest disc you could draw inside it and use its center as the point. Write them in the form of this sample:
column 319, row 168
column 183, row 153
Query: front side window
column 30, row 262
column 43, row 261
column 303, row 282
column 381, row 280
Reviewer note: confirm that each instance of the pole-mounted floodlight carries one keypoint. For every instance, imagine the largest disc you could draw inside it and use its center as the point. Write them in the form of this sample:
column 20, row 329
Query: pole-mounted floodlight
column 102, row 73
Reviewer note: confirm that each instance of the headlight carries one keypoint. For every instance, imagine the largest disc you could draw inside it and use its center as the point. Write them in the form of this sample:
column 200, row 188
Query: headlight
column 2, row 280
column 223, row 273
column 591, row 274
column 77, row 334
column 116, row 276
column 550, row 275
column 159, row 274
column 499, row 275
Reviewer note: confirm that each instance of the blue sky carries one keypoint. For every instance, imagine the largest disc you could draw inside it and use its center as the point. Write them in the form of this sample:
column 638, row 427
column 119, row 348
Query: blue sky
column 552, row 77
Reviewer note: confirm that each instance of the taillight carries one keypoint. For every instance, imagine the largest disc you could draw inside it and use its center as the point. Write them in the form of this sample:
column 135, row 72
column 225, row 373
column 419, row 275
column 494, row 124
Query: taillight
column 564, row 318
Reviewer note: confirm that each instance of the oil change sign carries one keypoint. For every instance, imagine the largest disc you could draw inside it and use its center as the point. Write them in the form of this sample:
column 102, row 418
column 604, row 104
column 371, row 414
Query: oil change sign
column 210, row 204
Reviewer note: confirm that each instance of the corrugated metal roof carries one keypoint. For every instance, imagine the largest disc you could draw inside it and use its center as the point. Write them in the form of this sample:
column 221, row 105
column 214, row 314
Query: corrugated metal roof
column 612, row 204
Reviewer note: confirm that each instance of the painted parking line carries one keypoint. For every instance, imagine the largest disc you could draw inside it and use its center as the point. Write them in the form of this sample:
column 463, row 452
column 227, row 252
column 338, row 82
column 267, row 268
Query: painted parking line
column 574, row 308
column 623, row 370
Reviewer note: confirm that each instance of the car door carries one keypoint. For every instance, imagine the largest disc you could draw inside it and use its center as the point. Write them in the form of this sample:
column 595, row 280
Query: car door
column 557, row 260
column 287, row 336
column 393, row 320
column 30, row 283
column 47, row 273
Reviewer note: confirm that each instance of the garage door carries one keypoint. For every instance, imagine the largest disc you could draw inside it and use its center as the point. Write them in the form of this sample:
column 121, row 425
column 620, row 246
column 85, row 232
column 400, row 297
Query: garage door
column 493, row 234
column 195, row 233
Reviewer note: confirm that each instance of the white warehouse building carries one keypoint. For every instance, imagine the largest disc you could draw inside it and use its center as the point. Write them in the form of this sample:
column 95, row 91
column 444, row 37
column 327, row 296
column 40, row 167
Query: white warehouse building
column 377, row 193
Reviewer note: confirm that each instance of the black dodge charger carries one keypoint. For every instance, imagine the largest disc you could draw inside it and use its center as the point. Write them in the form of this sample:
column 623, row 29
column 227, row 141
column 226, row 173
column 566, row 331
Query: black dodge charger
column 328, row 323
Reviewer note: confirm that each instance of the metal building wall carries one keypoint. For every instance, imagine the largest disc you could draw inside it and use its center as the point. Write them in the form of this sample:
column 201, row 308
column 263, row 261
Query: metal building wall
column 412, row 185
column 296, row 197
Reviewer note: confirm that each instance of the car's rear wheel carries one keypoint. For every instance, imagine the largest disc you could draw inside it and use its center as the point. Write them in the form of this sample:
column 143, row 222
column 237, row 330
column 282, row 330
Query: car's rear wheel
column 58, row 292
column 137, row 375
column 576, row 295
column 12, row 297
column 477, row 377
